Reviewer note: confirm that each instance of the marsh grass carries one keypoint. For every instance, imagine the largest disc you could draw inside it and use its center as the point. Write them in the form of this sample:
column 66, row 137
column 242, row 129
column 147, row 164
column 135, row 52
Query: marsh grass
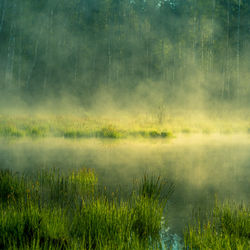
column 36, row 131
column 12, row 187
column 154, row 187
column 52, row 209
column 109, row 131
column 11, row 131
column 227, row 227
column 74, row 127
column 154, row 134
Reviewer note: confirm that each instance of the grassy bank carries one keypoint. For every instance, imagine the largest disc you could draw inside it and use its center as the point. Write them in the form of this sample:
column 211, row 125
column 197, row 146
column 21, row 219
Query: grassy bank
column 55, row 210
column 75, row 127
column 139, row 127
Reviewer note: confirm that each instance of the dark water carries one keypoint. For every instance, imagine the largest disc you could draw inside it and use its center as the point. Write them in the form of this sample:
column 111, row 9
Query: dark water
column 200, row 166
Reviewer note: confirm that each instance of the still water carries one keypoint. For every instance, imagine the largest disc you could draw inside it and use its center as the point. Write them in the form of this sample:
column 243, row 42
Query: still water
column 199, row 166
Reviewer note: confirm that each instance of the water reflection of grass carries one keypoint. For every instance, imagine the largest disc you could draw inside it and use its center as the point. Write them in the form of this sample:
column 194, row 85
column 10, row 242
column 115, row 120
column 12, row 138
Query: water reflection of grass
column 227, row 227
column 55, row 210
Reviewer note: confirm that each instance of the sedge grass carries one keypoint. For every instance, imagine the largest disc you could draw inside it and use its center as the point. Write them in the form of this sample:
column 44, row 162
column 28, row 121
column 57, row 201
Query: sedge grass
column 227, row 227
column 145, row 126
column 55, row 210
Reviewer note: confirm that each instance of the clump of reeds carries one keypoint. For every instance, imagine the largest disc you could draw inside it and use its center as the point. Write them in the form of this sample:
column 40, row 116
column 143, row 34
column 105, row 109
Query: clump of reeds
column 109, row 131
column 12, row 187
column 11, row 131
column 154, row 187
column 55, row 210
column 227, row 227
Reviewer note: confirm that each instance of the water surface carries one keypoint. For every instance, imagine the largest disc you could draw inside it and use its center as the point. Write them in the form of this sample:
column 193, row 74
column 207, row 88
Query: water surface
column 200, row 166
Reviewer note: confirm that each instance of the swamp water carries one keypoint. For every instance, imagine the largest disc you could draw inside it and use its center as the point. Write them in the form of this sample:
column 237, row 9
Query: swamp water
column 200, row 167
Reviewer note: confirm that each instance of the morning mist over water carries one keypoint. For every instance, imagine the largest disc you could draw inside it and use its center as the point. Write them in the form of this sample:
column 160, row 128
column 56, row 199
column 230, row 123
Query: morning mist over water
column 127, row 119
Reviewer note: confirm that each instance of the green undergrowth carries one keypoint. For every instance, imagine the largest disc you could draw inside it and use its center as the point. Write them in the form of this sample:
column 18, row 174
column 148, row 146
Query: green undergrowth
column 226, row 227
column 50, row 209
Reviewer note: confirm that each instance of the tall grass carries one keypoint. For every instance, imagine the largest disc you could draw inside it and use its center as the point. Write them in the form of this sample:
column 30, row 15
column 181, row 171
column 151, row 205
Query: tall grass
column 75, row 127
column 56, row 210
column 143, row 126
column 227, row 227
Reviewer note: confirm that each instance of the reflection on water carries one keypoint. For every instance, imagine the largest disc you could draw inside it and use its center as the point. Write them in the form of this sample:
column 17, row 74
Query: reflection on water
column 200, row 166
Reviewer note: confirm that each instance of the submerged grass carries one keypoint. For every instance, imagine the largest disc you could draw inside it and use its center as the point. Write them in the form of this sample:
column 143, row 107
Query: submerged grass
column 55, row 210
column 227, row 227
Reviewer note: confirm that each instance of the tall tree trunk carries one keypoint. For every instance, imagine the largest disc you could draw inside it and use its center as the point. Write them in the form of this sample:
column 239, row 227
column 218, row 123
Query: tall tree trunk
column 3, row 7
column 238, row 48
column 11, row 57
column 228, row 51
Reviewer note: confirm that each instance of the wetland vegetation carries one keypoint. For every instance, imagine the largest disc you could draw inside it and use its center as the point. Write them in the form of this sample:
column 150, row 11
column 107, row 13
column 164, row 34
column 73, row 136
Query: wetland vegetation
column 52, row 210
column 124, row 87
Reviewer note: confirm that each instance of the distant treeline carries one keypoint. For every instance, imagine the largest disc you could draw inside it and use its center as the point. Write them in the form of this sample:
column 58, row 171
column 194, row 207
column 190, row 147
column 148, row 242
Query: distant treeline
column 76, row 46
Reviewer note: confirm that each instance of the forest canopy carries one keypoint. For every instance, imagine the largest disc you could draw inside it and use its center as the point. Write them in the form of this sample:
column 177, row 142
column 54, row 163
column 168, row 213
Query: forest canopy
column 170, row 50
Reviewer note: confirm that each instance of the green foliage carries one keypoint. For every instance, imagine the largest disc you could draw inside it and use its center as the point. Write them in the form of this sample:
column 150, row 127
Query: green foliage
column 154, row 134
column 101, row 222
column 147, row 217
column 76, row 128
column 109, row 132
column 151, row 134
column 157, row 134
column 227, row 228
column 66, row 189
column 12, row 188
column 10, row 130
column 57, row 210
column 36, row 131
column 20, row 226
column 150, row 45
column 75, row 133
column 154, row 187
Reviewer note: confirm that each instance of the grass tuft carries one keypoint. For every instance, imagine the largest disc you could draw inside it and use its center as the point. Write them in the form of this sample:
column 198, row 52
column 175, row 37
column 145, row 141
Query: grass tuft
column 52, row 209
column 228, row 227
column 109, row 132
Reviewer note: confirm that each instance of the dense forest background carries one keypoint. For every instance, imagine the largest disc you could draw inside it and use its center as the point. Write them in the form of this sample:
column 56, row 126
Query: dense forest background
column 161, row 51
